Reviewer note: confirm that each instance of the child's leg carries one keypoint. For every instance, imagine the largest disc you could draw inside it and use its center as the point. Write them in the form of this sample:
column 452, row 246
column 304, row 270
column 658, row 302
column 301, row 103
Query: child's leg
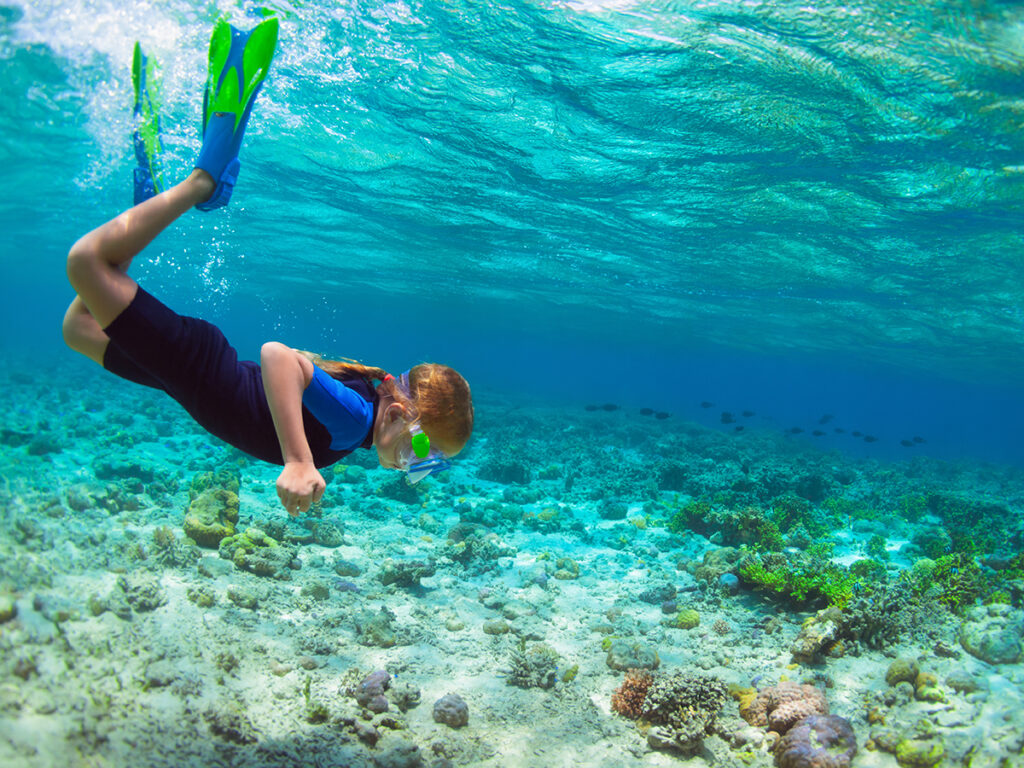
column 82, row 333
column 96, row 261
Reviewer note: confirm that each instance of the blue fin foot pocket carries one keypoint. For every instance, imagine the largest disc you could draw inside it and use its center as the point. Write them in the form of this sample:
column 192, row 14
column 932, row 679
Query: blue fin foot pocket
column 238, row 64
column 146, row 137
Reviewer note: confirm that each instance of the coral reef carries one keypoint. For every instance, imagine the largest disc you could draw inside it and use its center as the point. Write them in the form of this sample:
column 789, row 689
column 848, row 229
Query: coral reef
column 170, row 552
column 369, row 694
column 628, row 698
column 782, row 705
column 687, row 618
column 534, row 666
column 799, row 578
column 623, row 655
column 817, row 635
column 405, row 573
column 993, row 633
column 744, row 526
column 377, row 628
column 682, row 708
column 476, row 552
column 451, row 710
column 817, row 741
column 256, row 552
column 211, row 516
column 268, row 672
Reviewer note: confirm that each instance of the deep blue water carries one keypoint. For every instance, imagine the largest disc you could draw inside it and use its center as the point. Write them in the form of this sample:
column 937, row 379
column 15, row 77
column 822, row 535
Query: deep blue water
column 770, row 206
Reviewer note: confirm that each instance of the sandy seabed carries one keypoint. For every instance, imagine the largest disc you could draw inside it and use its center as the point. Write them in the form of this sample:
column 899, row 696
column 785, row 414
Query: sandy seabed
column 124, row 644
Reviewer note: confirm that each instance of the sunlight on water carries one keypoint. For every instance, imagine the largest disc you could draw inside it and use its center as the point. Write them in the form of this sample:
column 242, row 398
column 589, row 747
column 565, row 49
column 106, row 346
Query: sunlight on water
column 849, row 168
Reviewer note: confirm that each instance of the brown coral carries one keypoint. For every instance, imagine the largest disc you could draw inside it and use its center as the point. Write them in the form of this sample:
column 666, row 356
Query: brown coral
column 780, row 706
column 819, row 741
column 628, row 698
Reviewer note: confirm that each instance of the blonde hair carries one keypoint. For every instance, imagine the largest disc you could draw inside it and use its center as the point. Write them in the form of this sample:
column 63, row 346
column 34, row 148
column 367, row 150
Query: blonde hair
column 440, row 397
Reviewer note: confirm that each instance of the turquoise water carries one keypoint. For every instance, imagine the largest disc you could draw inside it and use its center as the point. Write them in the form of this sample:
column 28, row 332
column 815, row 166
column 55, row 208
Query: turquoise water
column 822, row 202
column 738, row 289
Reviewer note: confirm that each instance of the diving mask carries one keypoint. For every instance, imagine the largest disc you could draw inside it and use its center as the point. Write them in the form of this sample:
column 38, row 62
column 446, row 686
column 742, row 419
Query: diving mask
column 418, row 459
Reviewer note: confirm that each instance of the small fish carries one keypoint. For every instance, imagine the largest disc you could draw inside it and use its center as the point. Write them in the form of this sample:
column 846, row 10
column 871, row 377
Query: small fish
column 839, row 430
column 727, row 418
column 590, row 407
column 706, row 404
column 817, row 433
column 609, row 407
column 747, row 414
column 662, row 415
column 907, row 443
column 794, row 430
column 646, row 411
column 917, row 439
column 740, row 428
column 826, row 418
column 870, row 439
column 857, row 434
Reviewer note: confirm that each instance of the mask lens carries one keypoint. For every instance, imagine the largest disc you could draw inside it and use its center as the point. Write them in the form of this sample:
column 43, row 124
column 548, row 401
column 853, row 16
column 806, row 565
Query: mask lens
column 431, row 466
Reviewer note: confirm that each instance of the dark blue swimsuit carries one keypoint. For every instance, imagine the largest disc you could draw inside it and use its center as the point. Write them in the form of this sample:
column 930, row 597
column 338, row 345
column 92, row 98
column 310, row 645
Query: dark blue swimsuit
column 192, row 361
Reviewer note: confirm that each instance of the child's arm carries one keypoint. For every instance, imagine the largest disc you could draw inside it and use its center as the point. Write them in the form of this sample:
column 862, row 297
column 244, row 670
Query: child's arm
column 286, row 374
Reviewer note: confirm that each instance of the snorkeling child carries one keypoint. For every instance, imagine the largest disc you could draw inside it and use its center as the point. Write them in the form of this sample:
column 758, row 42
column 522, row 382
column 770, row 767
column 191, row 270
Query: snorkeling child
column 293, row 408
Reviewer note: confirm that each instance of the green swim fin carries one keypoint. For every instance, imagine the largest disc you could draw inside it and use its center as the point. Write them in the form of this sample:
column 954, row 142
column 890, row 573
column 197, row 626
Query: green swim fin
column 149, row 178
column 238, row 64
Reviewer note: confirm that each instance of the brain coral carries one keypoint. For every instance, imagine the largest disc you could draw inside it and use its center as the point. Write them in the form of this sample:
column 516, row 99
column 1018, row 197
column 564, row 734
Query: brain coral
column 818, row 741
column 780, row 706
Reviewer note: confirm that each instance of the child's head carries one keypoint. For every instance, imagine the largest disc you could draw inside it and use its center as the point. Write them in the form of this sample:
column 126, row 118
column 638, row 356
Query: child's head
column 434, row 397
column 439, row 398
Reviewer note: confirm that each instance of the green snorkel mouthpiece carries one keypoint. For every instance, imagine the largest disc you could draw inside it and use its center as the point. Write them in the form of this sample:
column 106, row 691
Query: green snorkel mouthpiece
column 420, row 444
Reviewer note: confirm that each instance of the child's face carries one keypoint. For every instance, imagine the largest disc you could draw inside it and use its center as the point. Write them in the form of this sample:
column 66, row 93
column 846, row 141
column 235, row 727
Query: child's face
column 390, row 435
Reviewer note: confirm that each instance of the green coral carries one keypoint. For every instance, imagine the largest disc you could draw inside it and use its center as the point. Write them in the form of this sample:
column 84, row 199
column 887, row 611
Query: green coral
column 535, row 666
column 876, row 548
column 839, row 509
column 754, row 571
column 745, row 526
column 920, row 574
column 975, row 526
column 750, row 526
column 956, row 580
column 687, row 618
column 919, row 753
column 959, row 580
column 800, row 579
column 566, row 569
column 912, row 506
column 933, row 540
column 211, row 516
column 225, row 478
column 789, row 511
column 690, row 517
column 256, row 552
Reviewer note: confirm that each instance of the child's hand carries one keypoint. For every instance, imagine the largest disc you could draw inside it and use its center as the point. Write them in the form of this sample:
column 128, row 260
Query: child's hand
column 298, row 486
